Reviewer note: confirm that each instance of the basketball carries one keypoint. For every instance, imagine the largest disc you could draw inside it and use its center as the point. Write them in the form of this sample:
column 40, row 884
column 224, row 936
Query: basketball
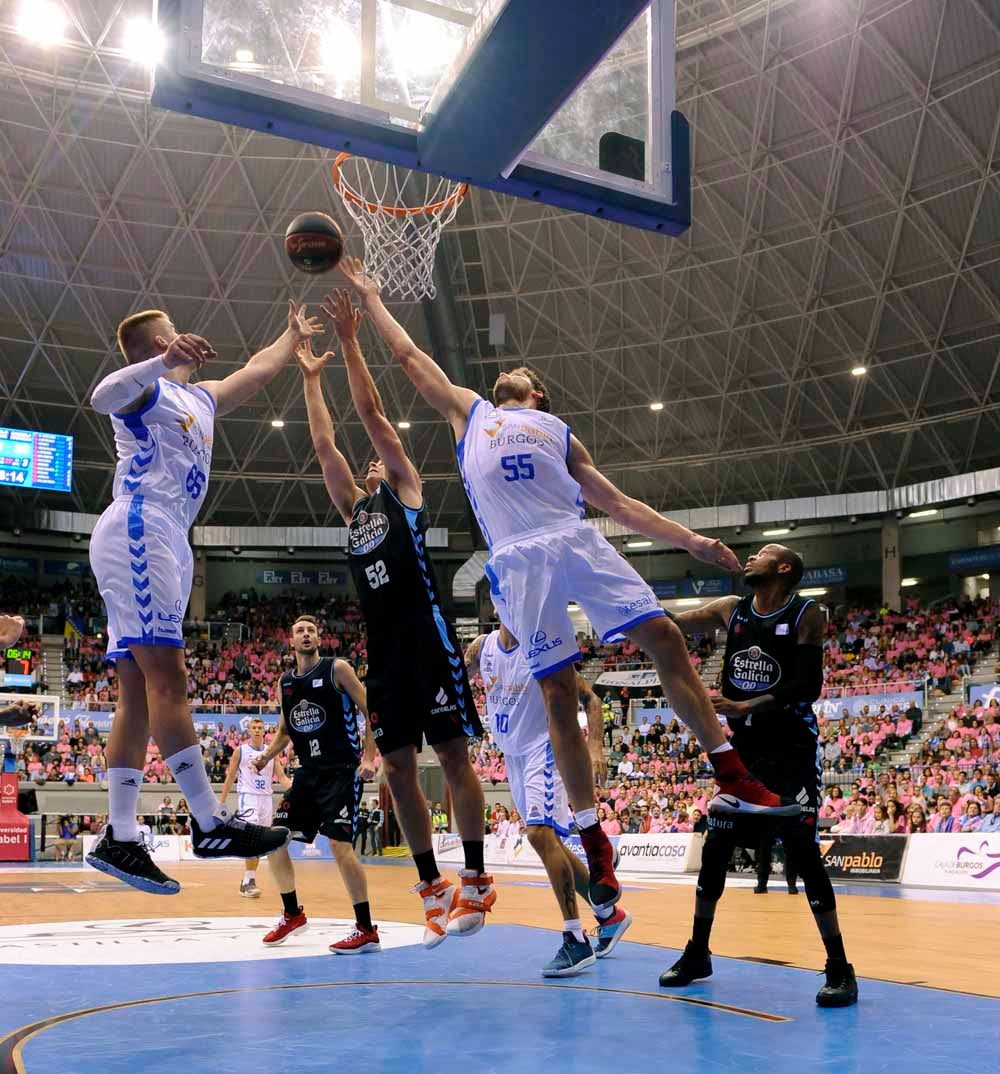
column 314, row 243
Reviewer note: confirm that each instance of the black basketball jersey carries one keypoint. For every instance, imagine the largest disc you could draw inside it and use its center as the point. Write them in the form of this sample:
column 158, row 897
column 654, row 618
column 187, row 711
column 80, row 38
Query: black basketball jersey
column 761, row 654
column 392, row 571
column 321, row 719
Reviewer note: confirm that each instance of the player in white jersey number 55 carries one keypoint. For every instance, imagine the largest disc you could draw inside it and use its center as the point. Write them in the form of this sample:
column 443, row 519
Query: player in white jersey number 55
column 141, row 558
column 527, row 478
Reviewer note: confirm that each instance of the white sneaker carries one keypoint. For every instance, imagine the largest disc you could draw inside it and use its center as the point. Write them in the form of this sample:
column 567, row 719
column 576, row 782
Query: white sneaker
column 474, row 902
column 439, row 898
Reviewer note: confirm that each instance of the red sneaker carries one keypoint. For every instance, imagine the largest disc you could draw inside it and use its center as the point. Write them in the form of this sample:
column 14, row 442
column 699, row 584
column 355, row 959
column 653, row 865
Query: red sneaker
column 358, row 942
column 749, row 795
column 285, row 927
column 604, row 887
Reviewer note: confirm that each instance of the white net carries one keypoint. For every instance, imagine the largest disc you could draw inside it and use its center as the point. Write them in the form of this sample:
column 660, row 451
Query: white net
column 401, row 214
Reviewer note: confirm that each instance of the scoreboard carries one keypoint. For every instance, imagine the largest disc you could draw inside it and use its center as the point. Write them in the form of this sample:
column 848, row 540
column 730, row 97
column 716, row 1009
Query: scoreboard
column 36, row 460
column 17, row 667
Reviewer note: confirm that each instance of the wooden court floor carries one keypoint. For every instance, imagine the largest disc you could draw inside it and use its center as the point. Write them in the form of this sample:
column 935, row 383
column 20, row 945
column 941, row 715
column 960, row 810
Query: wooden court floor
column 951, row 945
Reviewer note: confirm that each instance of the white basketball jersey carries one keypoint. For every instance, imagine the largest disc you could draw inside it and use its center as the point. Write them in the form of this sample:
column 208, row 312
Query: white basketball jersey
column 514, row 704
column 513, row 464
column 249, row 780
column 165, row 450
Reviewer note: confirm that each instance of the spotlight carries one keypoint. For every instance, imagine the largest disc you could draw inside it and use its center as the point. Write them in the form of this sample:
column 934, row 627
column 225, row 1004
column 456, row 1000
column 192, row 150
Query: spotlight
column 793, row 525
column 291, row 550
column 854, row 520
column 78, row 537
column 42, row 22
column 739, row 530
column 144, row 42
column 237, row 550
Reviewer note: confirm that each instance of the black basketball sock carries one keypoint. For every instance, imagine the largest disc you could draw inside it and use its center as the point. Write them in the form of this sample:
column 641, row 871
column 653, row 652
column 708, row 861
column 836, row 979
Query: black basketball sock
column 427, row 868
column 290, row 901
column 363, row 915
column 835, row 948
column 700, row 932
column 474, row 860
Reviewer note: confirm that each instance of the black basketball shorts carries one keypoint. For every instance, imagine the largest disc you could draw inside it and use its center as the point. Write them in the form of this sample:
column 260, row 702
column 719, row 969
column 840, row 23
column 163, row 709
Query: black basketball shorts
column 417, row 690
column 324, row 800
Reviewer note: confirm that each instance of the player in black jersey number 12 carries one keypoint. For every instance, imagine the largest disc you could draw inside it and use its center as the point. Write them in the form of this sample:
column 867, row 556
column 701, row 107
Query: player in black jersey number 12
column 772, row 672
column 320, row 702
column 417, row 683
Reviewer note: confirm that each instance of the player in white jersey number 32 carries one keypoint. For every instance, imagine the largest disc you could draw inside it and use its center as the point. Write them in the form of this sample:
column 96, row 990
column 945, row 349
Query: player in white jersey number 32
column 527, row 478
column 141, row 558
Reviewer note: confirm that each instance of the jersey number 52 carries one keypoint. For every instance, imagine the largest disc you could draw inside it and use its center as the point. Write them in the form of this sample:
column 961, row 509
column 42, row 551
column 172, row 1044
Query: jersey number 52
column 377, row 574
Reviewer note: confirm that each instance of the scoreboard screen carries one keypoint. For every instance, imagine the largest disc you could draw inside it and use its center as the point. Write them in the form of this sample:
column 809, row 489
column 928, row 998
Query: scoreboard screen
column 17, row 668
column 36, row 460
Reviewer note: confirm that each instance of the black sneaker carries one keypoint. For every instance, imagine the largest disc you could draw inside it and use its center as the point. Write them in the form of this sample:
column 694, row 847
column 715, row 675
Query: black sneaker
column 693, row 965
column 233, row 837
column 129, row 861
column 841, row 988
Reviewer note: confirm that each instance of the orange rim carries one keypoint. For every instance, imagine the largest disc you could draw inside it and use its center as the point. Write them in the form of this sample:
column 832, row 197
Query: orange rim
column 391, row 210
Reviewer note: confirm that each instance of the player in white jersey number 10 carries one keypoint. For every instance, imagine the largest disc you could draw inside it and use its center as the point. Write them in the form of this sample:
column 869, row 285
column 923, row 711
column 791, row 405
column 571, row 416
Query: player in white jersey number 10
column 527, row 478
column 141, row 558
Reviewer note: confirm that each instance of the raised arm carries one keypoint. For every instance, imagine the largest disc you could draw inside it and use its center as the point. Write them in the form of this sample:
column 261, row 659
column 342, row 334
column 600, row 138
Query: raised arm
column 449, row 400
column 385, row 440
column 127, row 389
column 265, row 365
column 337, row 474
column 639, row 517
column 708, row 618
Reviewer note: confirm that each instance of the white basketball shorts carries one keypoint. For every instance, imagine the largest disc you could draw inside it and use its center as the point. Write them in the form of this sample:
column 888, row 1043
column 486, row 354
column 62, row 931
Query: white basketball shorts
column 258, row 808
column 143, row 565
column 537, row 788
column 532, row 581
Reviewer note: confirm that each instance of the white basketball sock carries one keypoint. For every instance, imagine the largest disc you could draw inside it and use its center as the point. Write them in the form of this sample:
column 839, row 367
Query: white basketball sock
column 576, row 928
column 725, row 747
column 124, row 785
column 586, row 818
column 188, row 767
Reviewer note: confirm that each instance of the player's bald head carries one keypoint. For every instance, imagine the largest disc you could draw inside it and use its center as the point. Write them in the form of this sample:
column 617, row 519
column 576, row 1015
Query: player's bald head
column 774, row 562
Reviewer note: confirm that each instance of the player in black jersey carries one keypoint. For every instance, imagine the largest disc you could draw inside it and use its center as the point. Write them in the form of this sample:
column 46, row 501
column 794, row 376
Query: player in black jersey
column 417, row 684
column 320, row 702
column 772, row 672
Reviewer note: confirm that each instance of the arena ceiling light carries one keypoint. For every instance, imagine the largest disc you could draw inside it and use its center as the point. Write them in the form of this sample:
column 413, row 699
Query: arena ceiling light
column 42, row 21
column 907, row 583
column 656, row 407
column 244, row 55
column 277, row 423
column 924, row 513
column 781, row 531
column 638, row 544
column 144, row 42
column 818, row 591
column 402, row 425
column 859, row 370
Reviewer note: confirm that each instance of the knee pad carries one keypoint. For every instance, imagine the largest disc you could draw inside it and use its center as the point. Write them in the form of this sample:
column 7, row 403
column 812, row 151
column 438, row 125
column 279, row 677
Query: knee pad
column 715, row 854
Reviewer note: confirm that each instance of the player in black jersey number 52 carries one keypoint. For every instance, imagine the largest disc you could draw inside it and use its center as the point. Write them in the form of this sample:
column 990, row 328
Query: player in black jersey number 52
column 417, row 683
column 772, row 672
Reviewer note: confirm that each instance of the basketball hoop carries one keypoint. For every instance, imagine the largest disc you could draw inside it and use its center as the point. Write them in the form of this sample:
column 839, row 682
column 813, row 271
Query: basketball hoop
column 401, row 214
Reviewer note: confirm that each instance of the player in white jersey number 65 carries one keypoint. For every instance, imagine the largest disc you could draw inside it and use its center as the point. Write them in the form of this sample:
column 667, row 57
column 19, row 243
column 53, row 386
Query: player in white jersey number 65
column 527, row 478
column 141, row 558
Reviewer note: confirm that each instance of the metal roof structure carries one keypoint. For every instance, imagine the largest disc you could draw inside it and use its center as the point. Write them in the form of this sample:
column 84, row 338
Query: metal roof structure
column 846, row 175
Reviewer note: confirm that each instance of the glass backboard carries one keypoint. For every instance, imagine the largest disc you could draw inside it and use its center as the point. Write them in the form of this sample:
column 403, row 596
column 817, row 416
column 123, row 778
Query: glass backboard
column 369, row 76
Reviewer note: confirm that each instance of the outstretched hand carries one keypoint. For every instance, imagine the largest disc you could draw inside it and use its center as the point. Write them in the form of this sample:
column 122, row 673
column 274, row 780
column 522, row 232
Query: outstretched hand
column 345, row 315
column 185, row 349
column 312, row 365
column 10, row 629
column 353, row 270
column 715, row 552
column 300, row 325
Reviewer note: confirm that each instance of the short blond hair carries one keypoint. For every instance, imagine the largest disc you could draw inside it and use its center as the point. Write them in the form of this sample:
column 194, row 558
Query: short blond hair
column 131, row 330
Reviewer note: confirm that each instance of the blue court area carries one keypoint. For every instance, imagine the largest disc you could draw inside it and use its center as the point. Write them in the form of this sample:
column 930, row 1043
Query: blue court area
column 479, row 1001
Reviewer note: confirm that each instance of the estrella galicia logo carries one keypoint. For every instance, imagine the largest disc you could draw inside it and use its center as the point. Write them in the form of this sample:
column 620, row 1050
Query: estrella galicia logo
column 366, row 532
column 753, row 670
column 307, row 717
column 540, row 644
